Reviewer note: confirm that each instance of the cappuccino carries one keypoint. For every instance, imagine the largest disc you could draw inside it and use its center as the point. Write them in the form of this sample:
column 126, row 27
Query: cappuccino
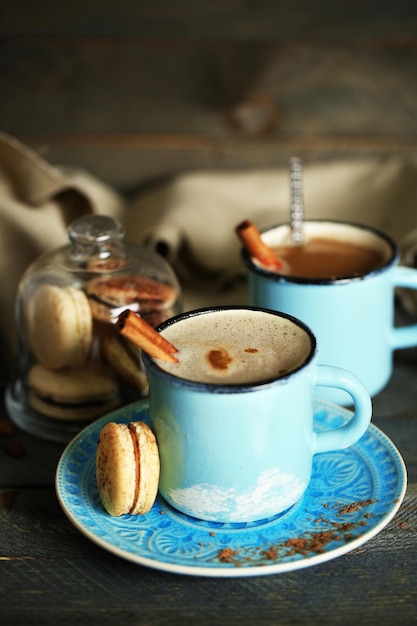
column 238, row 445
column 236, row 346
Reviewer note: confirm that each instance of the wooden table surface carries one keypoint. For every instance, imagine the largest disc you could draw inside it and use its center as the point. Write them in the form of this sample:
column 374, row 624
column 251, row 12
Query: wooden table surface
column 51, row 574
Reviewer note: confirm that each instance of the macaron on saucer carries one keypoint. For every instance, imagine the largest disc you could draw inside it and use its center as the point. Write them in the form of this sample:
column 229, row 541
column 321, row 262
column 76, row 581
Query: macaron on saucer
column 127, row 468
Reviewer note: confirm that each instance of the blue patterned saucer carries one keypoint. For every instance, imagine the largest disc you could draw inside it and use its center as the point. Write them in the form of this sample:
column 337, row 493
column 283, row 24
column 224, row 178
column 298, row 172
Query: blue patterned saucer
column 352, row 496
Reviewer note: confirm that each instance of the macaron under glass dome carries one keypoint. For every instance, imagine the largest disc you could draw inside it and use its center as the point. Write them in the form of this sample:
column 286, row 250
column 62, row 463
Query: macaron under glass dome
column 74, row 366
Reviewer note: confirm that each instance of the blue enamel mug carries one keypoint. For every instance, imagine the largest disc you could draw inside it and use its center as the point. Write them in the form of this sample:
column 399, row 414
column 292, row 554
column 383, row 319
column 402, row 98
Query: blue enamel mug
column 352, row 317
column 234, row 417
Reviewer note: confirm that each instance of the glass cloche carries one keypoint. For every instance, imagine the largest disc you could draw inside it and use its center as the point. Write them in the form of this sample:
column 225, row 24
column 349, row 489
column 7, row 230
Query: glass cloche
column 74, row 366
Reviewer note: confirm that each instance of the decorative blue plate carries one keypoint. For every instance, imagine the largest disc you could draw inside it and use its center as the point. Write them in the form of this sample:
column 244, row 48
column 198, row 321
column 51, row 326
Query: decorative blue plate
column 352, row 496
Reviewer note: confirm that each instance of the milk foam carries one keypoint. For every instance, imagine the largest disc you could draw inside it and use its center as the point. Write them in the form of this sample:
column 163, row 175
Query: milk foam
column 235, row 346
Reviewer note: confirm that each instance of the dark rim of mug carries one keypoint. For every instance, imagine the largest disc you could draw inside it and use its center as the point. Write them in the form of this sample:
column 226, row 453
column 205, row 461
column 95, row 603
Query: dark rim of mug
column 392, row 259
column 153, row 367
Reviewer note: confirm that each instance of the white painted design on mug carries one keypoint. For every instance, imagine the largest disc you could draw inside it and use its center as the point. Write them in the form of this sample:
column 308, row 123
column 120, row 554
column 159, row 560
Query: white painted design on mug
column 273, row 491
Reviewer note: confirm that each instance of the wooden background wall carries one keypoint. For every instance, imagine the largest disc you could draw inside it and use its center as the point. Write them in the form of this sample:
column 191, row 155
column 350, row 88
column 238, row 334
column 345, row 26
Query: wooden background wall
column 136, row 90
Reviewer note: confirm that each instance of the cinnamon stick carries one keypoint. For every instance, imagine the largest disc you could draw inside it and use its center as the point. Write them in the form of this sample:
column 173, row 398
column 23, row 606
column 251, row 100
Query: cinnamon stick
column 145, row 336
column 257, row 248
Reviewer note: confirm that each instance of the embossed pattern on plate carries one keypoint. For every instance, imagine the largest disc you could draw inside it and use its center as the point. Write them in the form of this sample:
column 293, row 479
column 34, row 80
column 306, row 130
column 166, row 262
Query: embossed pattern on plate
column 353, row 494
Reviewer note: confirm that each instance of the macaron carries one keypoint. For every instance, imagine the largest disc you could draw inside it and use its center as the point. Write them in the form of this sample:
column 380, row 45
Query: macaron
column 127, row 468
column 81, row 393
column 59, row 326
column 109, row 296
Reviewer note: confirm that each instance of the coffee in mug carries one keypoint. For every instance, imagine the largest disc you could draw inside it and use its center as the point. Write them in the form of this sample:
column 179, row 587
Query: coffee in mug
column 331, row 258
column 349, row 305
column 233, row 412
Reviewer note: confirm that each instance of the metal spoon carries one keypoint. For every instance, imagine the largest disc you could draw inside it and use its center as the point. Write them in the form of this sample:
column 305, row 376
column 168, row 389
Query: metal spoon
column 297, row 201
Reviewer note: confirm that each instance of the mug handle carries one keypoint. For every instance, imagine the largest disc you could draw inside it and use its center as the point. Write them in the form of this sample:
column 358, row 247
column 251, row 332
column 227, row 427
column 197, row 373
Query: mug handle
column 404, row 336
column 349, row 433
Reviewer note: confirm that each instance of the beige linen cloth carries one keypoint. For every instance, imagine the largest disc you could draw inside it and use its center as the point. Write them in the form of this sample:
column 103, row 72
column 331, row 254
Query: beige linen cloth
column 192, row 218
column 37, row 203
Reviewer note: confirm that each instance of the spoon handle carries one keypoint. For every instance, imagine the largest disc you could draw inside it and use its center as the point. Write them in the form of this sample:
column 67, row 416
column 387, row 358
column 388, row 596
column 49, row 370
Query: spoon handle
column 297, row 200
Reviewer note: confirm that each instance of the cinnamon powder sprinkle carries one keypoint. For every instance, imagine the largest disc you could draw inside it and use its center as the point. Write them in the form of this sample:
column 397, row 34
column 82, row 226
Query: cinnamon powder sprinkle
column 313, row 543
column 219, row 359
column 355, row 506
column 270, row 553
column 227, row 555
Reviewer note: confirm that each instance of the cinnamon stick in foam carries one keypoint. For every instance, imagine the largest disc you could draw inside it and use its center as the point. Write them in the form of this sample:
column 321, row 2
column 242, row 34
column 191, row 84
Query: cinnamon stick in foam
column 257, row 248
column 145, row 336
